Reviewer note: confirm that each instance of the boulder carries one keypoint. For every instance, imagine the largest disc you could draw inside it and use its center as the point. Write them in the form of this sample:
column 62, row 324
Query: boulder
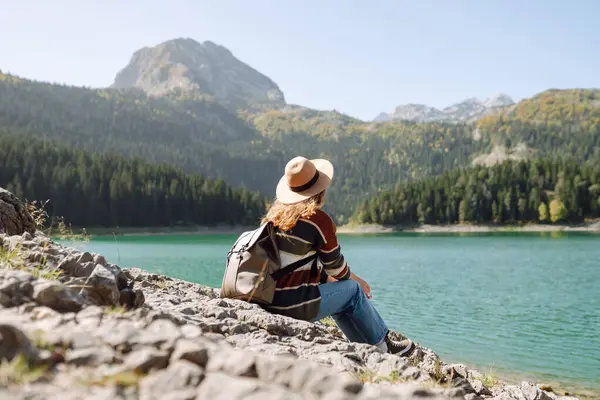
column 15, row 219
column 102, row 286
column 179, row 381
column 57, row 296
column 13, row 341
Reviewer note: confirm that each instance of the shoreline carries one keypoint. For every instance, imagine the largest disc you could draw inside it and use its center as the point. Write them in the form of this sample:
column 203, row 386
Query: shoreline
column 164, row 231
column 591, row 227
column 353, row 229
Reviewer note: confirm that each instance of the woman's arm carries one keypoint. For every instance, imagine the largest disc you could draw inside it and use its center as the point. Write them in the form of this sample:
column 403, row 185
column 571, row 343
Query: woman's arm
column 363, row 284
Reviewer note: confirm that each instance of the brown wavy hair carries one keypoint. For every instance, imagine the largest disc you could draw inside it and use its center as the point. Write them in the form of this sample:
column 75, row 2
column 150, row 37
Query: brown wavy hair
column 286, row 216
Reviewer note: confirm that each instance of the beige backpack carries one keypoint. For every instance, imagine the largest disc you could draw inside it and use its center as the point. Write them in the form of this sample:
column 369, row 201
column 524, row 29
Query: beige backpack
column 253, row 267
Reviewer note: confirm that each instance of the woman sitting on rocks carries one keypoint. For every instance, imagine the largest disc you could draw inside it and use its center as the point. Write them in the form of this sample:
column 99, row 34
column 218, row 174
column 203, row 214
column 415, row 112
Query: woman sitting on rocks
column 302, row 229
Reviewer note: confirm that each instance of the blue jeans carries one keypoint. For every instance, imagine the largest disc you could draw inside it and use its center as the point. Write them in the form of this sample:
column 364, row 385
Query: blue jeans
column 353, row 313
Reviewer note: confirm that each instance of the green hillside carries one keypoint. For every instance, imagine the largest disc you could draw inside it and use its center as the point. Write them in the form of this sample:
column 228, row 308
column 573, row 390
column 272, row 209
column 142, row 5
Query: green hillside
column 512, row 192
column 91, row 190
column 251, row 148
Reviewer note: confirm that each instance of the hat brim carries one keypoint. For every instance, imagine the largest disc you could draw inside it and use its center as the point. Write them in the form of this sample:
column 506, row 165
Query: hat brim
column 286, row 196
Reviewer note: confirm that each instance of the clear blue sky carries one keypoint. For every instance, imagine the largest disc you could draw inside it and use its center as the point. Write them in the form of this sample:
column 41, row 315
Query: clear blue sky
column 359, row 57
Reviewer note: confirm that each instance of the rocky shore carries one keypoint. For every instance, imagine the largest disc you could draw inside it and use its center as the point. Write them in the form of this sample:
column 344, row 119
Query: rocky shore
column 74, row 326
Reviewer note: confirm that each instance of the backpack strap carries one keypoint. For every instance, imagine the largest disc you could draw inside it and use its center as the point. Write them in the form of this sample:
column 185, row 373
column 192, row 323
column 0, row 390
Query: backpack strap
column 280, row 273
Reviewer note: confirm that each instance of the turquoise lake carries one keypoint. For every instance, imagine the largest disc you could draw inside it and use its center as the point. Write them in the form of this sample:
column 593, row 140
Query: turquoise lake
column 521, row 305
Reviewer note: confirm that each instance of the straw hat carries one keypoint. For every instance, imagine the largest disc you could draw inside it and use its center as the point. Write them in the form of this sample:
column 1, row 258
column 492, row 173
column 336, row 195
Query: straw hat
column 303, row 179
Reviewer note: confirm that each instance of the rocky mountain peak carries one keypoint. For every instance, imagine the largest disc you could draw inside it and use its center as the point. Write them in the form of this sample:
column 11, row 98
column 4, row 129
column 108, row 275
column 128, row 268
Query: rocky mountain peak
column 464, row 111
column 206, row 68
column 499, row 100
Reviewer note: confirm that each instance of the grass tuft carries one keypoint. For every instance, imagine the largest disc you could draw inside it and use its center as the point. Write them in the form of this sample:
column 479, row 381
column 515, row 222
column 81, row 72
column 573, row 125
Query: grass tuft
column 328, row 321
column 489, row 380
column 11, row 259
column 437, row 374
column 122, row 379
column 20, row 372
column 116, row 310
column 369, row 376
column 162, row 284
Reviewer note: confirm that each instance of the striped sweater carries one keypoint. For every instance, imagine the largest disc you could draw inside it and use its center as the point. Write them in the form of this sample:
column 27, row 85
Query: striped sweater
column 297, row 294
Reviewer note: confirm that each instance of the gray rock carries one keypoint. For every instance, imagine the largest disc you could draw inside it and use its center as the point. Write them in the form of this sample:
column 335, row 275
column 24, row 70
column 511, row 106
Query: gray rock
column 190, row 350
column 145, row 359
column 411, row 373
column 190, row 331
column 158, row 332
column 73, row 267
column 85, row 257
column 91, row 356
column 179, row 381
column 218, row 386
column 479, row 388
column 130, row 298
column 233, row 362
column 13, row 342
column 57, row 296
column 119, row 333
column 90, row 312
column 525, row 391
column 99, row 259
column 103, row 288
column 15, row 287
column 15, row 219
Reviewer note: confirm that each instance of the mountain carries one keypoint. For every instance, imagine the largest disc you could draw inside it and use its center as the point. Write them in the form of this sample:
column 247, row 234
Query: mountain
column 413, row 113
column 199, row 136
column 498, row 101
column 184, row 65
column 465, row 111
column 249, row 145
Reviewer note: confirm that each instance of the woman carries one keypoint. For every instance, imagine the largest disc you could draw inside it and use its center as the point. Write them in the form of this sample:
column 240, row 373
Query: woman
column 302, row 230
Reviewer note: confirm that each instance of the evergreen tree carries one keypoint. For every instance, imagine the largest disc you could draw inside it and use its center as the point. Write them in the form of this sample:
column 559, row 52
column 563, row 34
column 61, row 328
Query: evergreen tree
column 503, row 193
column 543, row 212
column 107, row 190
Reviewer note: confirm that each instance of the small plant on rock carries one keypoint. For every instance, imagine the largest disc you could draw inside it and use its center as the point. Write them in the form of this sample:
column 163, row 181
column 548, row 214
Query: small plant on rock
column 394, row 377
column 488, row 379
column 44, row 273
column 369, row 376
column 123, row 379
column 162, row 284
column 437, row 375
column 38, row 212
column 11, row 259
column 115, row 310
column 18, row 371
column 365, row 376
column 38, row 338
column 328, row 321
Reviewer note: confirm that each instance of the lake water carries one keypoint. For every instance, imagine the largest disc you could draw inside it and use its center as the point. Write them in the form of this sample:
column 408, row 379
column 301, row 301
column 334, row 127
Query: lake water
column 523, row 304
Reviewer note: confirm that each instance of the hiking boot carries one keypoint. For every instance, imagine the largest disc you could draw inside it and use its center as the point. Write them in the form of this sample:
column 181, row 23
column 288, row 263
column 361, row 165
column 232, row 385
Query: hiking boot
column 403, row 348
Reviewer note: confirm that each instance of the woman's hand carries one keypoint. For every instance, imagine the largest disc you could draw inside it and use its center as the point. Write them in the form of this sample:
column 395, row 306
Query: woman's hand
column 363, row 284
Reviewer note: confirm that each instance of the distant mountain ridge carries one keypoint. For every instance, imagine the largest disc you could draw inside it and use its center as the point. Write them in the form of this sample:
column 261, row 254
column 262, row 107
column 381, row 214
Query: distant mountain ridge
column 465, row 111
column 189, row 67
column 236, row 127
